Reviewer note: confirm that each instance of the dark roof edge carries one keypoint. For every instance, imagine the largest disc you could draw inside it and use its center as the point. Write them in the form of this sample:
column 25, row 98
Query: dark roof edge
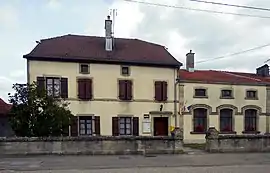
column 83, row 60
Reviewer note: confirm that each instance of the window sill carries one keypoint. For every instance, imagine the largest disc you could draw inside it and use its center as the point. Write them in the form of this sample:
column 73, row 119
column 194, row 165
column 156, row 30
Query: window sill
column 246, row 98
column 125, row 100
column 85, row 100
column 198, row 133
column 201, row 97
column 84, row 72
column 226, row 97
column 228, row 132
column 251, row 132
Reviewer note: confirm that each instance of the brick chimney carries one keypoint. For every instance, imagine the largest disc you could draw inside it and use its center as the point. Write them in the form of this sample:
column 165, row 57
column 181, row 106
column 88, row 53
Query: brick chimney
column 263, row 70
column 108, row 34
column 190, row 61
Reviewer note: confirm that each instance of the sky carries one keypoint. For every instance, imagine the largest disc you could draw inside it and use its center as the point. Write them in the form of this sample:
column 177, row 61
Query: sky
column 209, row 35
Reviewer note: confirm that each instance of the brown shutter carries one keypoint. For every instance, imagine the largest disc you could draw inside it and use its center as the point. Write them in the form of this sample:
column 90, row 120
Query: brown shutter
column 121, row 89
column 129, row 89
column 81, row 89
column 74, row 126
column 164, row 91
column 40, row 85
column 135, row 126
column 64, row 87
column 97, row 125
column 158, row 90
column 88, row 89
column 115, row 128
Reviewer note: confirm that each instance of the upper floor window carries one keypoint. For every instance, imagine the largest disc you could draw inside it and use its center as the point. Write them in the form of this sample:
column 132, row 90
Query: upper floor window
column 226, row 93
column 125, row 90
column 161, row 90
column 85, row 89
column 251, row 94
column 84, row 68
column 125, row 71
column 200, row 92
column 54, row 86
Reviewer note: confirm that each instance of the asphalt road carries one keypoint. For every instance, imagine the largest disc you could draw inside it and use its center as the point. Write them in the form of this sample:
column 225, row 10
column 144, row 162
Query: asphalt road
column 203, row 163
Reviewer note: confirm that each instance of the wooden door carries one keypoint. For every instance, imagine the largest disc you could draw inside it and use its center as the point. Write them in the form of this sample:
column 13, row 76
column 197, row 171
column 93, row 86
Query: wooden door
column 161, row 126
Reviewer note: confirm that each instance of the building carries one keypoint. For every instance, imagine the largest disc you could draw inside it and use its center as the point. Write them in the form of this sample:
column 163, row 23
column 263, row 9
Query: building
column 233, row 103
column 5, row 128
column 115, row 86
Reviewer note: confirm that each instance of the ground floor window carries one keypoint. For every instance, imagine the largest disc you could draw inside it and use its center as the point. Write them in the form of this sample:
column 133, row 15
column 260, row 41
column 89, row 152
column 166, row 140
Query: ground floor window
column 125, row 126
column 200, row 120
column 226, row 121
column 85, row 125
column 250, row 120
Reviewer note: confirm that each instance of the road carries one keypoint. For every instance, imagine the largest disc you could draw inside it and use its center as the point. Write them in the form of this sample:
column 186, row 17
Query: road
column 203, row 163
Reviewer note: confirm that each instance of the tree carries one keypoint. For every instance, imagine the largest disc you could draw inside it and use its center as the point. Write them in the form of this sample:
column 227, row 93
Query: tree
column 35, row 114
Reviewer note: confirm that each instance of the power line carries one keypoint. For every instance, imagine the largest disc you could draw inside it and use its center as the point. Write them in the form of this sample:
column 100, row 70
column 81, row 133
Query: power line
column 196, row 9
column 232, row 5
column 233, row 54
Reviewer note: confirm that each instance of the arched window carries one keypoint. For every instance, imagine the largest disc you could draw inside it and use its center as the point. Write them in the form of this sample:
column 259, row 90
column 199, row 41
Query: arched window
column 200, row 120
column 250, row 120
column 225, row 120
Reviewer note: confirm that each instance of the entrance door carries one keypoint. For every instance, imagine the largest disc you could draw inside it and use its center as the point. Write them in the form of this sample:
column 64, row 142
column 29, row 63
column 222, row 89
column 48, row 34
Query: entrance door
column 161, row 127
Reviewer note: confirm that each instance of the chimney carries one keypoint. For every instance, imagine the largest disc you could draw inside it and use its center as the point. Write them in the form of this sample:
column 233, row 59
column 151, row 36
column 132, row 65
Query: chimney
column 263, row 71
column 108, row 34
column 190, row 61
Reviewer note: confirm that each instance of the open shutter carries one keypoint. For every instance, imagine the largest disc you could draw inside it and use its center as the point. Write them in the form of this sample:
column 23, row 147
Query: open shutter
column 135, row 126
column 97, row 125
column 158, row 90
column 40, row 85
column 164, row 91
column 88, row 89
column 115, row 128
column 64, row 87
column 129, row 89
column 81, row 89
column 74, row 126
column 121, row 89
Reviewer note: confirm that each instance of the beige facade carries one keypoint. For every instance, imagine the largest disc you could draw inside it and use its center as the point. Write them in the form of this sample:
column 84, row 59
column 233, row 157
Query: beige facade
column 105, row 102
column 213, row 103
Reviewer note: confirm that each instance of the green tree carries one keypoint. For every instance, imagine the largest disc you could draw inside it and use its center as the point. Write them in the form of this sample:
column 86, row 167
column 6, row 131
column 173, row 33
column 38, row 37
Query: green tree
column 35, row 114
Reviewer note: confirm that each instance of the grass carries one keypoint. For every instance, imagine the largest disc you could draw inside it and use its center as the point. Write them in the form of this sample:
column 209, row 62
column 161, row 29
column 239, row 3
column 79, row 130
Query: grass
column 196, row 146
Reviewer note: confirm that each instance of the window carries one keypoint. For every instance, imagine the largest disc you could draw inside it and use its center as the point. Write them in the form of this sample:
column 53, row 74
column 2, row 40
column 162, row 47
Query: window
column 161, row 91
column 200, row 120
column 55, row 87
column 250, row 120
column 200, row 92
column 125, row 90
column 226, row 120
column 226, row 93
column 125, row 126
column 85, row 89
column 251, row 94
column 85, row 125
column 84, row 68
column 125, row 71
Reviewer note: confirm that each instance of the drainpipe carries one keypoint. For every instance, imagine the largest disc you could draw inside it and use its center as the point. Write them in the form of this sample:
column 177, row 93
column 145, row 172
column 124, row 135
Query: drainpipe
column 176, row 82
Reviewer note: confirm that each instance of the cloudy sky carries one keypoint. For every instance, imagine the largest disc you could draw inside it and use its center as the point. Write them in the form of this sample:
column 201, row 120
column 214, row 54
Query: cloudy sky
column 209, row 35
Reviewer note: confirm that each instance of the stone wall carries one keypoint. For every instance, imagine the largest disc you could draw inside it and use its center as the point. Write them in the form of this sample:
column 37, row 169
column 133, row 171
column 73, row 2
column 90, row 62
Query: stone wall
column 236, row 143
column 98, row 145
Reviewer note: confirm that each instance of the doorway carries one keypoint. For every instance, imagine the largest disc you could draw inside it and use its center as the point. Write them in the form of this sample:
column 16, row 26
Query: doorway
column 161, row 127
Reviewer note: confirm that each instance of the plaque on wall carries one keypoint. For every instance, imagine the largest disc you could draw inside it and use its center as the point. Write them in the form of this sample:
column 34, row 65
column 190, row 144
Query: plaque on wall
column 146, row 126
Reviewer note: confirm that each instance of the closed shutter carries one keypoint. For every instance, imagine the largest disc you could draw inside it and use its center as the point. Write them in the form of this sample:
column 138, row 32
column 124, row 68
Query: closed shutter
column 129, row 89
column 81, row 89
column 122, row 89
column 88, row 89
column 97, row 125
column 158, row 90
column 40, row 85
column 74, row 126
column 115, row 128
column 135, row 126
column 164, row 91
column 64, row 87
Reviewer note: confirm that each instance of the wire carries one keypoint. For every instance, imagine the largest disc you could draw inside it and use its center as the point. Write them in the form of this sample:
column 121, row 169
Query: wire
column 233, row 5
column 233, row 54
column 196, row 9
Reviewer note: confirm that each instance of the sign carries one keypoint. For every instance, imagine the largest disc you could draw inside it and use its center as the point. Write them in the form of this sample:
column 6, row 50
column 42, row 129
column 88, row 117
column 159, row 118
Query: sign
column 146, row 126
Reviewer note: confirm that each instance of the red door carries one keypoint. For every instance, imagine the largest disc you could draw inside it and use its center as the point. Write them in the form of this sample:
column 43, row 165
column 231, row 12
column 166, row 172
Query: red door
column 161, row 126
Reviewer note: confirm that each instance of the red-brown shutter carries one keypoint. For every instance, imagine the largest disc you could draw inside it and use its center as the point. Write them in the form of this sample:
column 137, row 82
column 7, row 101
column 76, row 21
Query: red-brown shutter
column 97, row 125
column 122, row 89
column 129, row 89
column 135, row 126
column 74, row 126
column 164, row 91
column 115, row 128
column 88, row 89
column 40, row 85
column 64, row 87
column 158, row 90
column 81, row 89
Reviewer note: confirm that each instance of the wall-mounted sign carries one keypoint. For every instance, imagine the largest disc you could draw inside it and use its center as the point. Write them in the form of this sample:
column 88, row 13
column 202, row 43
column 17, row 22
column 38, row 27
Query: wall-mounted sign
column 146, row 116
column 146, row 126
